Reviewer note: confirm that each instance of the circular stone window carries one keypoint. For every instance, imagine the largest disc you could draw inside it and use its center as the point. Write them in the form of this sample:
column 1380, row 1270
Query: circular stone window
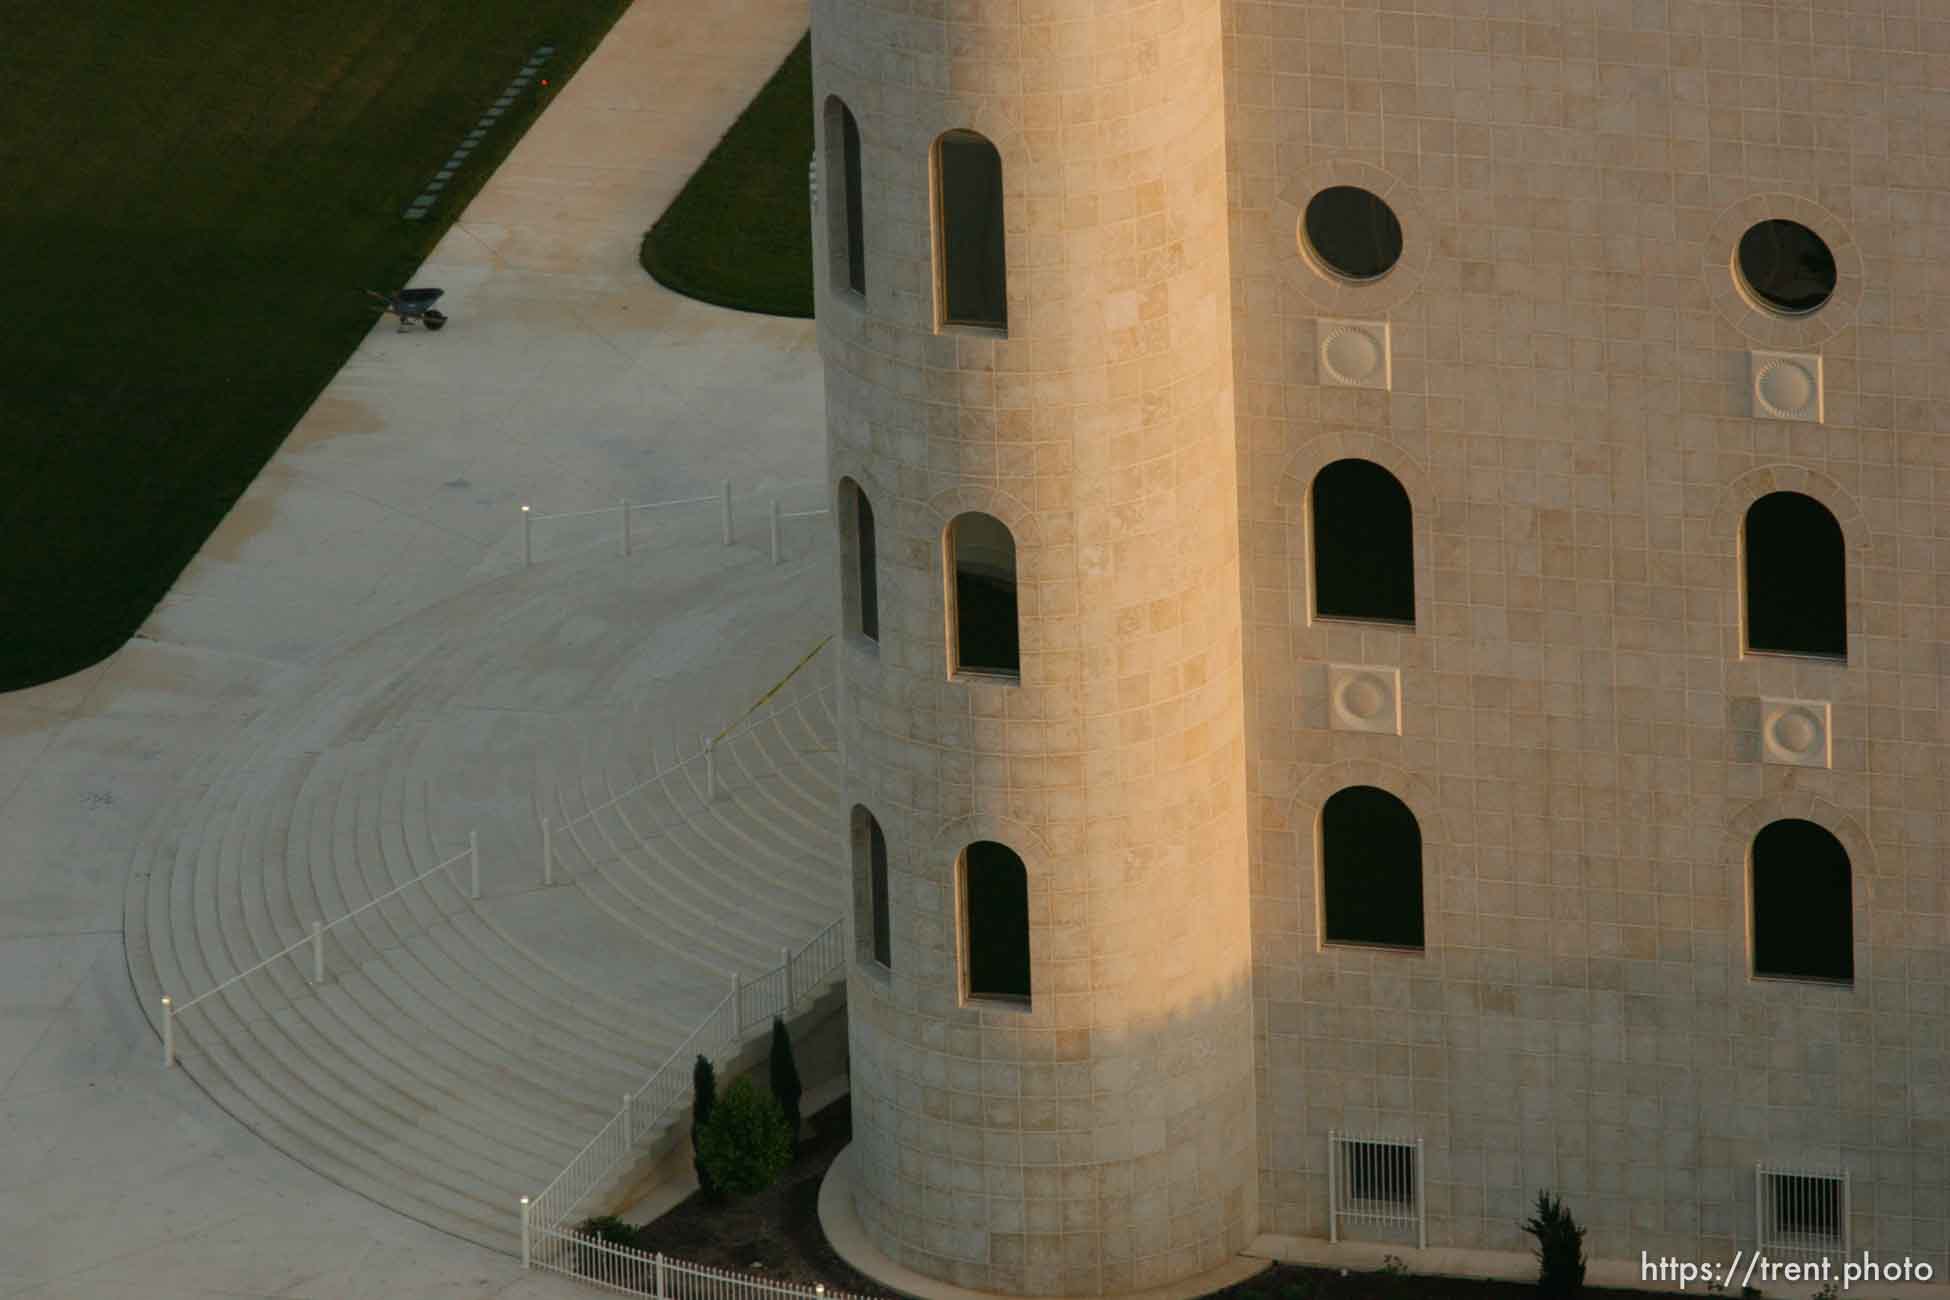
column 1786, row 267
column 1352, row 233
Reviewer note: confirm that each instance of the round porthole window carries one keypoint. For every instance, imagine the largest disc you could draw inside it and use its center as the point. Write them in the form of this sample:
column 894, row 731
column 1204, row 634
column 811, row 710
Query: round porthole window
column 1352, row 233
column 1785, row 267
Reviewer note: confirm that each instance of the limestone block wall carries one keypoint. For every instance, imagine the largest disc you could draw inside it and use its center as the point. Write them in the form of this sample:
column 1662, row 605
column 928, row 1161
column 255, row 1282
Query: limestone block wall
column 1568, row 403
column 1102, row 1139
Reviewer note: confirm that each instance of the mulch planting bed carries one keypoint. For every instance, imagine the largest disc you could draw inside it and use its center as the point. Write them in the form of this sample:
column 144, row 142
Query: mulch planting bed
column 1295, row 1282
column 777, row 1234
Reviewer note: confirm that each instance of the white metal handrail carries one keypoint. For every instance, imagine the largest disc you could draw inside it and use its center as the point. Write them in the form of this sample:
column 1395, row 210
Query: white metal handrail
column 316, row 941
column 657, row 1276
column 705, row 752
column 794, row 980
column 751, row 718
column 794, row 514
column 621, row 505
column 624, row 509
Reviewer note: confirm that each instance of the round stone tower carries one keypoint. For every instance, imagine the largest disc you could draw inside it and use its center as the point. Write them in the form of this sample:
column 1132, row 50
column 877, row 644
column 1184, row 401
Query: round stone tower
column 1029, row 401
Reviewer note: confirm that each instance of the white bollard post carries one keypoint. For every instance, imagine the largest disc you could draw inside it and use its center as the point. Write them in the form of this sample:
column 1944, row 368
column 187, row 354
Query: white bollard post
column 737, row 1004
column 1333, row 1189
column 775, row 530
column 527, row 546
column 727, row 512
column 626, row 525
column 548, row 855
column 710, row 771
column 1421, row 1203
column 169, row 1034
column 318, row 952
column 524, row 1234
column 474, row 864
column 629, row 1123
column 661, row 1292
column 785, row 964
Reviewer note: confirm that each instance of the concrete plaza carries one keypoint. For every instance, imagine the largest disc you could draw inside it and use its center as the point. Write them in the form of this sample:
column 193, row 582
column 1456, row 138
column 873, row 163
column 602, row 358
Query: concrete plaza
column 383, row 536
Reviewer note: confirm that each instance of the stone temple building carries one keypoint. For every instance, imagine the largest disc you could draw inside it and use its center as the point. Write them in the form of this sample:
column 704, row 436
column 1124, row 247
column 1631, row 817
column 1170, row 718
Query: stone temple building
column 1394, row 573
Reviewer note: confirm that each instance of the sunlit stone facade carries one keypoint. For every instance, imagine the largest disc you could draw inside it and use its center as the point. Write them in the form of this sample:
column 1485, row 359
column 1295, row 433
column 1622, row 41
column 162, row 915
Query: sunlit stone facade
column 1582, row 393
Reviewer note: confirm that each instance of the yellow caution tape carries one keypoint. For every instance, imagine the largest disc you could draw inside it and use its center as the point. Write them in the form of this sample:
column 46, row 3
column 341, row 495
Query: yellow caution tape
column 774, row 691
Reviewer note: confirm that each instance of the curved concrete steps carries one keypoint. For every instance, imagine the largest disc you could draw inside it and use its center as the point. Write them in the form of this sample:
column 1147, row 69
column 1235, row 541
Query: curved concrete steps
column 659, row 853
column 460, row 1052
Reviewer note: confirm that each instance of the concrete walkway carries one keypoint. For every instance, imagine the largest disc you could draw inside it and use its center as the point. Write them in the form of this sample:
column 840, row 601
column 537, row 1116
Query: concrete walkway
column 567, row 379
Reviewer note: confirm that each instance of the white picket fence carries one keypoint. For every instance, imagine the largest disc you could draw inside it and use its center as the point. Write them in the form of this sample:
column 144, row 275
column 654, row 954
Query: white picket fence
column 747, row 1006
column 640, row 1273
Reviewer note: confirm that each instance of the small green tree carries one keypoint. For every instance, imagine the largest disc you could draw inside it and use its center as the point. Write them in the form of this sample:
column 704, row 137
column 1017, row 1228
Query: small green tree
column 747, row 1143
column 704, row 1096
column 785, row 1078
column 1560, row 1249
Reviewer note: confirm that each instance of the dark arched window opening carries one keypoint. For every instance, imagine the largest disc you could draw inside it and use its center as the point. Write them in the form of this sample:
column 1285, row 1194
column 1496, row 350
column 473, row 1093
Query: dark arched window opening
column 846, row 230
column 982, row 591
column 971, row 252
column 869, row 576
column 1371, row 869
column 1364, row 544
column 1796, row 577
column 871, row 912
column 995, row 920
column 1803, row 903
column 859, row 562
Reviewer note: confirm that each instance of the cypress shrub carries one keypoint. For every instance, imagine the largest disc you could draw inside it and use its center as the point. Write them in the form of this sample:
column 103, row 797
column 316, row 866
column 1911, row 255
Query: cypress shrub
column 704, row 1098
column 1560, row 1249
column 785, row 1078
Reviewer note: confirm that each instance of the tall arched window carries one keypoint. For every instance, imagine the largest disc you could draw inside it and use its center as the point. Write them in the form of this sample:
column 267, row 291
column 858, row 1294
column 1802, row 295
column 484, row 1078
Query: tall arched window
column 984, row 635
column 1363, row 543
column 1804, row 904
column 1796, row 577
column 1370, row 869
column 845, row 228
column 995, row 923
column 872, row 914
column 971, row 255
column 859, row 561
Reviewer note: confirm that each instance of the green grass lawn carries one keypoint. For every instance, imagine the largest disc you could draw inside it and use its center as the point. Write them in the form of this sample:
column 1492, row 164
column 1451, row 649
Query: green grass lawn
column 192, row 196
column 740, row 233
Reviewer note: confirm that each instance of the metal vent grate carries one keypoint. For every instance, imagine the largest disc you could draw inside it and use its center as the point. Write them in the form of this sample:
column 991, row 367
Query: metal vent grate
column 1375, row 1182
column 1801, row 1212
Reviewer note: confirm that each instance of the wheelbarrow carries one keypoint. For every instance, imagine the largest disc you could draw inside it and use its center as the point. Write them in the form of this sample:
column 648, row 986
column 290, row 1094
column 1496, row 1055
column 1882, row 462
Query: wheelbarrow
column 412, row 306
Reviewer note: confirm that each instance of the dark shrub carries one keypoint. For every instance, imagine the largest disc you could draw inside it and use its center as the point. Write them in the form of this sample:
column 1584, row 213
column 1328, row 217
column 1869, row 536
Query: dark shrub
column 785, row 1078
column 590, row 1261
column 1560, row 1249
column 704, row 1096
column 747, row 1144
column 609, row 1228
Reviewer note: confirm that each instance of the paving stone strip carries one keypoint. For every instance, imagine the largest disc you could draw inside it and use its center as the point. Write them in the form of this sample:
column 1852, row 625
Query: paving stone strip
column 423, row 204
